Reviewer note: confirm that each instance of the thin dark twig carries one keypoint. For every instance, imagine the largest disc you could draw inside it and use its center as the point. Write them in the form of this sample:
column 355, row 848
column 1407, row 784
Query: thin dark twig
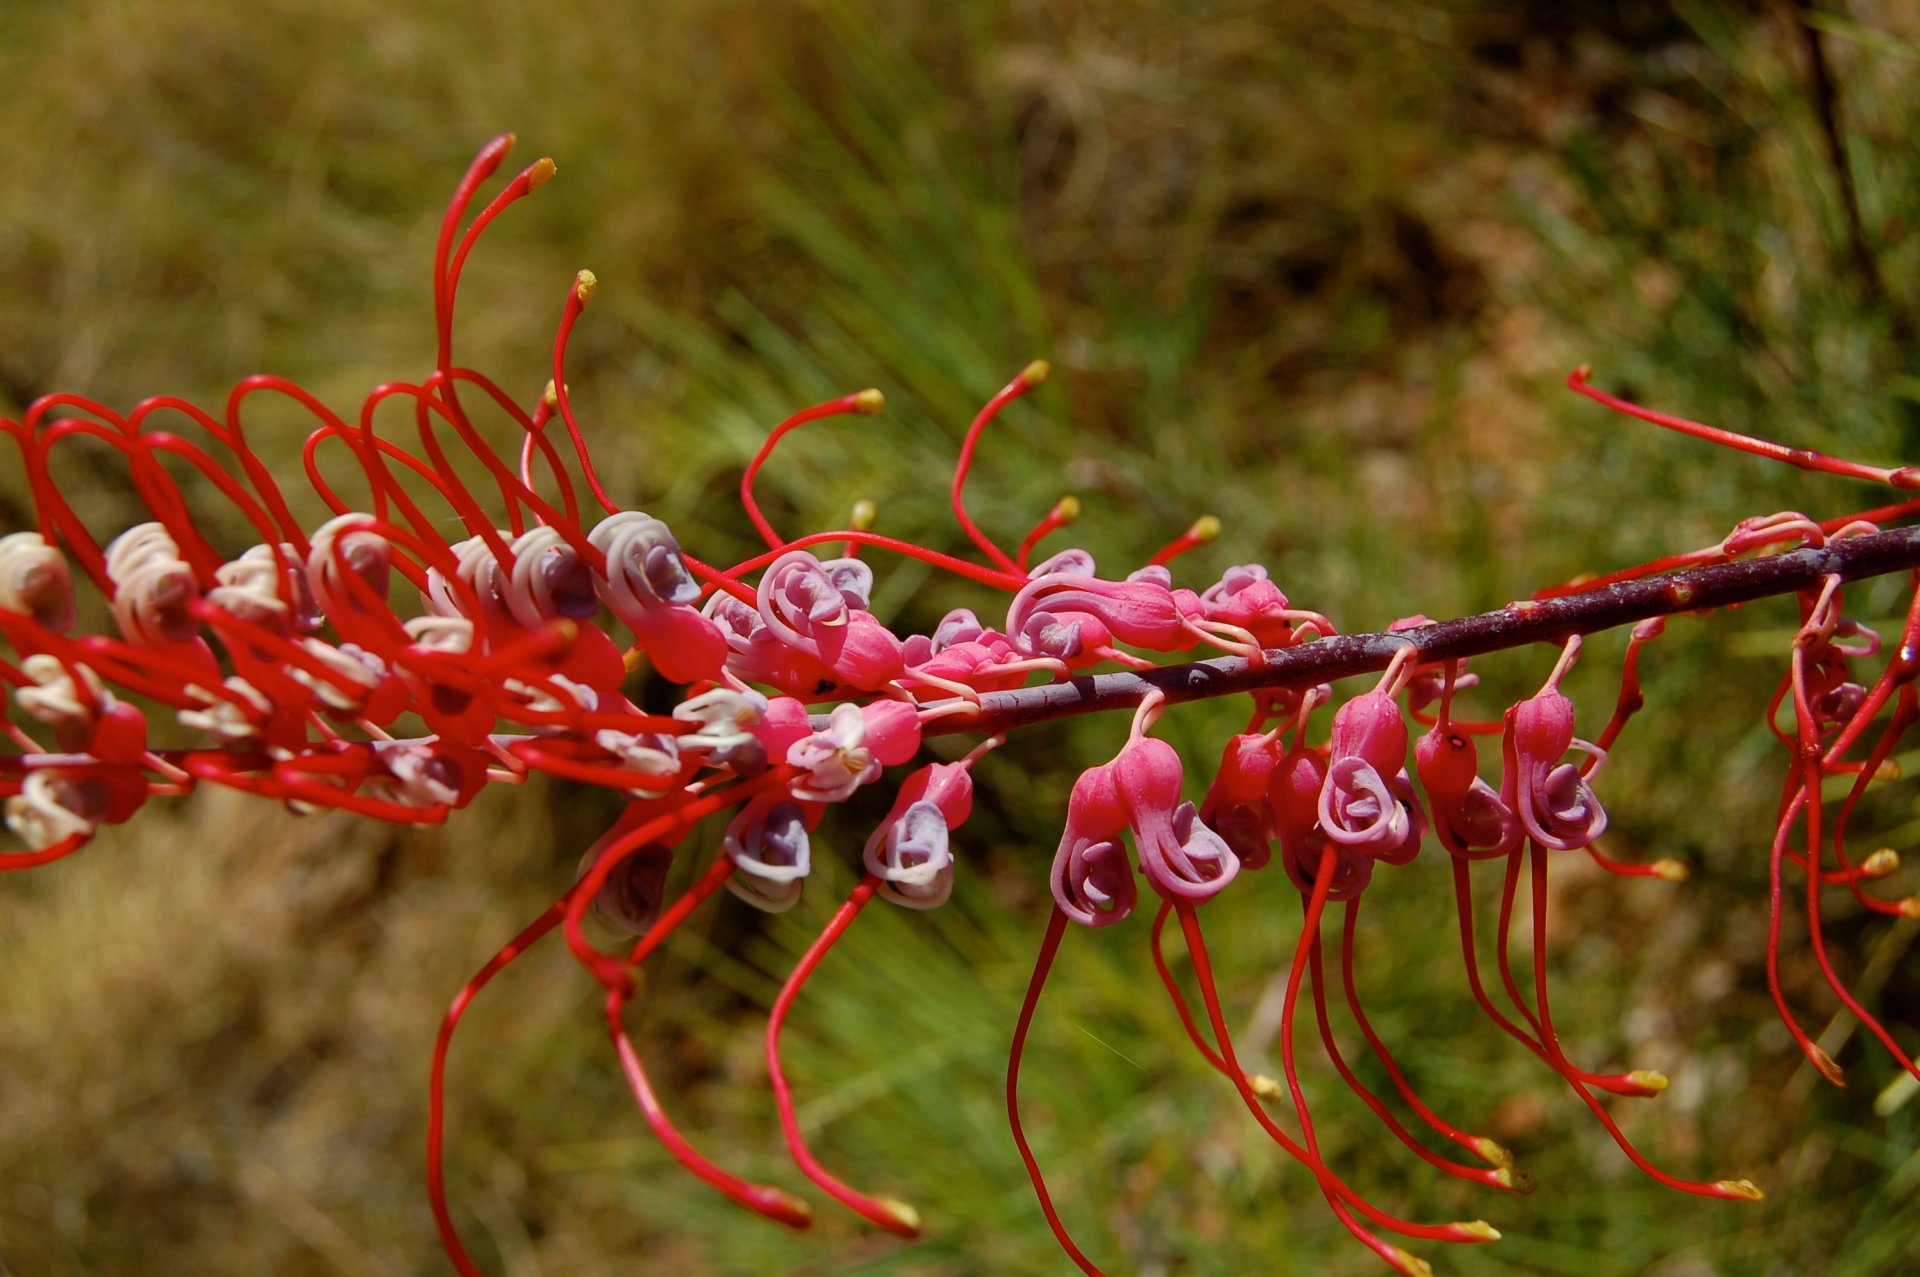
column 1515, row 625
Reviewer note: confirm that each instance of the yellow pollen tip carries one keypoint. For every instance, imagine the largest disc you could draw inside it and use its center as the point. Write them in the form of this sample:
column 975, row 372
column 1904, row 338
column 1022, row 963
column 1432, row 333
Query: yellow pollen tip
column 1265, row 1087
column 1889, row 769
column 869, row 402
column 1516, row 1181
column 1583, row 372
column 1035, row 374
column 633, row 659
column 1745, row 1189
column 584, row 285
column 1829, row 1068
column 1412, row 1265
column 1880, row 863
column 1478, row 1229
column 1652, row 1080
column 1910, row 907
column 865, row 513
column 904, row 1215
column 540, row 173
column 1672, row 870
column 1066, row 509
column 1205, row 528
column 551, row 395
column 1491, row 1151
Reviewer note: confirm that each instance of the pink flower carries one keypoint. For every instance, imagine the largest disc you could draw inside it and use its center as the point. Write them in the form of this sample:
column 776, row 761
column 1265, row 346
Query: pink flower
column 648, row 587
column 1368, row 803
column 1236, row 805
column 1293, row 794
column 1179, row 855
column 1469, row 818
column 819, row 609
column 852, row 748
column 1141, row 611
column 909, row 852
column 1091, row 879
column 1555, row 804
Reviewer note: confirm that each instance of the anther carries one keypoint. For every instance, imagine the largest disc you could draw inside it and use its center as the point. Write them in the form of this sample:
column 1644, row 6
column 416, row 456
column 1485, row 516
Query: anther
column 1910, row 907
column 1829, row 1068
column 906, row 1218
column 1514, row 1180
column 539, row 172
column 1265, row 1087
column 1412, row 1265
column 1651, row 1081
column 584, row 285
column 865, row 513
column 1880, row 863
column 1745, row 1189
column 1671, row 870
column 1477, row 1230
column 1035, row 374
column 869, row 402
column 1491, row 1152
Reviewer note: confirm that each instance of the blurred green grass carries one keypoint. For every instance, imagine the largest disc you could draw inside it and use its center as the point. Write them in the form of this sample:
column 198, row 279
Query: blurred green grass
column 1315, row 268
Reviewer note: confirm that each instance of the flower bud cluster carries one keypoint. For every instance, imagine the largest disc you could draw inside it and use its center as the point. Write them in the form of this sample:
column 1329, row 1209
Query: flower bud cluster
column 407, row 651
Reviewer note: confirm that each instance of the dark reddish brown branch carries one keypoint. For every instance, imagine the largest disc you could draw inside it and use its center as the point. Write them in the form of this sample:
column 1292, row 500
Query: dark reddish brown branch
column 1515, row 625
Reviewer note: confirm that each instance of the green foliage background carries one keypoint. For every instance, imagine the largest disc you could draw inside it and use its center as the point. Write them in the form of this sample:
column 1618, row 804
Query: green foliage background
column 1317, row 268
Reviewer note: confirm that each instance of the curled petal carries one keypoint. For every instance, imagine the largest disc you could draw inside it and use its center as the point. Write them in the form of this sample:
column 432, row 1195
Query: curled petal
column 51, row 808
column 835, row 760
column 1157, row 574
column 957, row 626
column 1184, row 858
column 1247, row 828
column 853, row 578
column 1562, row 811
column 913, row 861
column 1070, row 562
column 549, row 581
column 1351, row 874
column 771, row 852
column 341, row 546
column 35, row 580
column 1092, row 882
column 1044, row 634
column 1358, row 809
column 629, row 900
column 418, row 775
column 153, row 588
column 726, row 718
column 798, row 598
column 1554, row 801
column 652, row 754
column 648, row 587
column 644, row 565
column 235, row 718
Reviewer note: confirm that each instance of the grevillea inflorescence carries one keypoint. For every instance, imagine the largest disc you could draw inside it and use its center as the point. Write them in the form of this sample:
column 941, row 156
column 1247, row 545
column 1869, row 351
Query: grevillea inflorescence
column 376, row 664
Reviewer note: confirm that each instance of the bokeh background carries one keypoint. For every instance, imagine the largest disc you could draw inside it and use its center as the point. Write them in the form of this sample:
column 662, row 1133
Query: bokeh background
column 1317, row 268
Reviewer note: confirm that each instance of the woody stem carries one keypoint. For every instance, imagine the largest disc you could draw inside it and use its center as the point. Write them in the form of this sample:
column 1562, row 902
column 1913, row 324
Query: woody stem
column 1515, row 625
